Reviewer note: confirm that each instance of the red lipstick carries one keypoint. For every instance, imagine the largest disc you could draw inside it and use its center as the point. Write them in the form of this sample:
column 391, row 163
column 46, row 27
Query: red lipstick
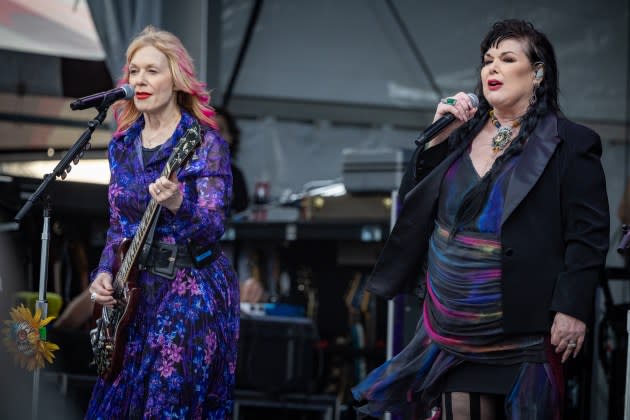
column 142, row 95
column 494, row 84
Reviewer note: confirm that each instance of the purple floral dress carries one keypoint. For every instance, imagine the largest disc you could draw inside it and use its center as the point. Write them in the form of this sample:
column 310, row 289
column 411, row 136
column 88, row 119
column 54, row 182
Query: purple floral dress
column 181, row 353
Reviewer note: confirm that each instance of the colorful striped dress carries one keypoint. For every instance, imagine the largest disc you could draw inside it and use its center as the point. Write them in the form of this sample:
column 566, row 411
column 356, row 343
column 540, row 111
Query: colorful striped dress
column 459, row 344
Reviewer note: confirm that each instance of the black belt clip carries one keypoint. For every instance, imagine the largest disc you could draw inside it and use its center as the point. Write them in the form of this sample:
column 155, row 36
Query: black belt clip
column 164, row 259
column 202, row 257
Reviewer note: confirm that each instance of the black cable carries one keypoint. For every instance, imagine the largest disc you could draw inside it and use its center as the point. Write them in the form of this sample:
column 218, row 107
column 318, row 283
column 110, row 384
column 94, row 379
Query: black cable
column 414, row 48
column 253, row 18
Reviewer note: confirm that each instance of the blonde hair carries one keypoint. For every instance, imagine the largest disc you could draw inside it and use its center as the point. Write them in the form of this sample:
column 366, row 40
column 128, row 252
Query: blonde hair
column 191, row 93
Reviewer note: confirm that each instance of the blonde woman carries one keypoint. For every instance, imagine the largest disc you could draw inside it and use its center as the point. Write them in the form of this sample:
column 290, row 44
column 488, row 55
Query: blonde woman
column 180, row 356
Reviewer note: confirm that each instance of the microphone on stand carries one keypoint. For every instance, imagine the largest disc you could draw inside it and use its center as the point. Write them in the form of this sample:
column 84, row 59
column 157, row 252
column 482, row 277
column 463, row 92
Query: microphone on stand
column 103, row 98
column 435, row 128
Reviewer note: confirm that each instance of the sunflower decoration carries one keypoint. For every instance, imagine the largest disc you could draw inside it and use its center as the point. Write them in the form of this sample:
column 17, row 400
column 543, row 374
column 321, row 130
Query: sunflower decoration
column 25, row 337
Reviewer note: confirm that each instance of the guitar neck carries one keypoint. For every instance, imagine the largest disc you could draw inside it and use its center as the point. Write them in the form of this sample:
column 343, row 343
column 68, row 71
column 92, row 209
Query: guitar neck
column 131, row 256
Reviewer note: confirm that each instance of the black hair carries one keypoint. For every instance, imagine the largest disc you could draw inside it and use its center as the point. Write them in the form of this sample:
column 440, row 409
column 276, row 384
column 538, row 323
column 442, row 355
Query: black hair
column 232, row 127
column 538, row 50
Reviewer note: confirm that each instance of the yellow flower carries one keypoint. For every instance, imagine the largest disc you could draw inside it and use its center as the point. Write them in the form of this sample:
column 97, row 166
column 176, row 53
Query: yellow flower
column 22, row 338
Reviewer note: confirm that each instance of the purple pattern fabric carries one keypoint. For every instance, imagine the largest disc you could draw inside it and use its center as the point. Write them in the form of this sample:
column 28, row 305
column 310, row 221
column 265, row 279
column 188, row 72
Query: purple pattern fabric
column 182, row 347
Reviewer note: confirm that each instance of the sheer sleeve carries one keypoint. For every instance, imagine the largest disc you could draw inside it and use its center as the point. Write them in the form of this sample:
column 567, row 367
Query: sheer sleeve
column 114, row 232
column 206, row 183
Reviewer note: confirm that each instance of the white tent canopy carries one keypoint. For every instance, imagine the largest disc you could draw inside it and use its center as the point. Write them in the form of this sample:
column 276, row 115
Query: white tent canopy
column 59, row 28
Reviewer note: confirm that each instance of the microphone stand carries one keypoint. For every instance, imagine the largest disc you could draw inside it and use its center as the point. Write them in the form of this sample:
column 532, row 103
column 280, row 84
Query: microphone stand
column 61, row 170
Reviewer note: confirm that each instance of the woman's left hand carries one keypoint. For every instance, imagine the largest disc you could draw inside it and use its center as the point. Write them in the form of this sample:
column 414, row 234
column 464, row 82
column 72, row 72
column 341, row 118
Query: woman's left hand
column 167, row 193
column 567, row 334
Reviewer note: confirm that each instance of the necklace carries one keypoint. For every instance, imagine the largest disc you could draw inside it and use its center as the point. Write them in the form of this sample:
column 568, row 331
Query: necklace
column 148, row 141
column 504, row 134
column 164, row 132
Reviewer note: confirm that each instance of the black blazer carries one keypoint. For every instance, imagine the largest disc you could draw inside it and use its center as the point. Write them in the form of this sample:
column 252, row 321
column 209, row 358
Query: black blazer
column 554, row 230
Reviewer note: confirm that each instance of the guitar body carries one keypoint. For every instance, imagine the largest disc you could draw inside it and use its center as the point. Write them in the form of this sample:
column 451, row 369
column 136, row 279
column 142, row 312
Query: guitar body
column 120, row 332
column 109, row 338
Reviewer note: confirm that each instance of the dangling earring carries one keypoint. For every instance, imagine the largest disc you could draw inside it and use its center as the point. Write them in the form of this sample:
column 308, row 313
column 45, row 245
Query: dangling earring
column 538, row 76
column 533, row 98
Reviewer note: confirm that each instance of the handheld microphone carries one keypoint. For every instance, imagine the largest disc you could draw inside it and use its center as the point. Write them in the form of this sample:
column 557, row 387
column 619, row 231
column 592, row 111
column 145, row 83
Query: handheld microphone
column 103, row 98
column 433, row 130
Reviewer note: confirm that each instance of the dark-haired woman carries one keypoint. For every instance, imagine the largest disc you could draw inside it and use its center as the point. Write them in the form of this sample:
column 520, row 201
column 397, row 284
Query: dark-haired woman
column 505, row 224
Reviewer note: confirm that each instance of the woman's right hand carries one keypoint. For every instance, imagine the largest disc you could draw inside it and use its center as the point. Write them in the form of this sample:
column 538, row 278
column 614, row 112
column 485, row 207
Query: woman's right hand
column 461, row 108
column 101, row 290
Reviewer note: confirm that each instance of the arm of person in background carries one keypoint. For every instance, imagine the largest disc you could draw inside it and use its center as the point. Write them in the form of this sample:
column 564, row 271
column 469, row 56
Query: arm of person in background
column 240, row 195
column 77, row 312
column 252, row 289
column 586, row 235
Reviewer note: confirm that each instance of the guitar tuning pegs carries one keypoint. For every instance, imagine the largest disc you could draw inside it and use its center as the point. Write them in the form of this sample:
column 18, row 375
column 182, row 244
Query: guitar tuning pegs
column 77, row 157
column 66, row 172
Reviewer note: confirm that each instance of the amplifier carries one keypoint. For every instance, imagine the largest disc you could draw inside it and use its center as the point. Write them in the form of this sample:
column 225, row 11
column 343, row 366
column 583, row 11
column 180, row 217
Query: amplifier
column 374, row 170
column 276, row 354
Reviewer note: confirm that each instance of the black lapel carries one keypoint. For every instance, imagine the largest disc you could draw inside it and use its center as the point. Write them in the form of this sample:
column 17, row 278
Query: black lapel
column 535, row 156
column 434, row 178
column 429, row 186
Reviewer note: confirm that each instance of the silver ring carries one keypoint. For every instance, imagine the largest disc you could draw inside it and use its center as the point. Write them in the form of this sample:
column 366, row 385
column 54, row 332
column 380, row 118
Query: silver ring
column 157, row 191
column 93, row 296
column 572, row 344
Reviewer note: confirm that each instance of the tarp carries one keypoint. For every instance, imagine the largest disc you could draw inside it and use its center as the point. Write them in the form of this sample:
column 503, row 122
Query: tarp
column 59, row 28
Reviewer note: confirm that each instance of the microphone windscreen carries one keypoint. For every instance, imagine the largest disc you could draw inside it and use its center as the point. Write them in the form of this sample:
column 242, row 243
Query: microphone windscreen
column 129, row 92
column 474, row 99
